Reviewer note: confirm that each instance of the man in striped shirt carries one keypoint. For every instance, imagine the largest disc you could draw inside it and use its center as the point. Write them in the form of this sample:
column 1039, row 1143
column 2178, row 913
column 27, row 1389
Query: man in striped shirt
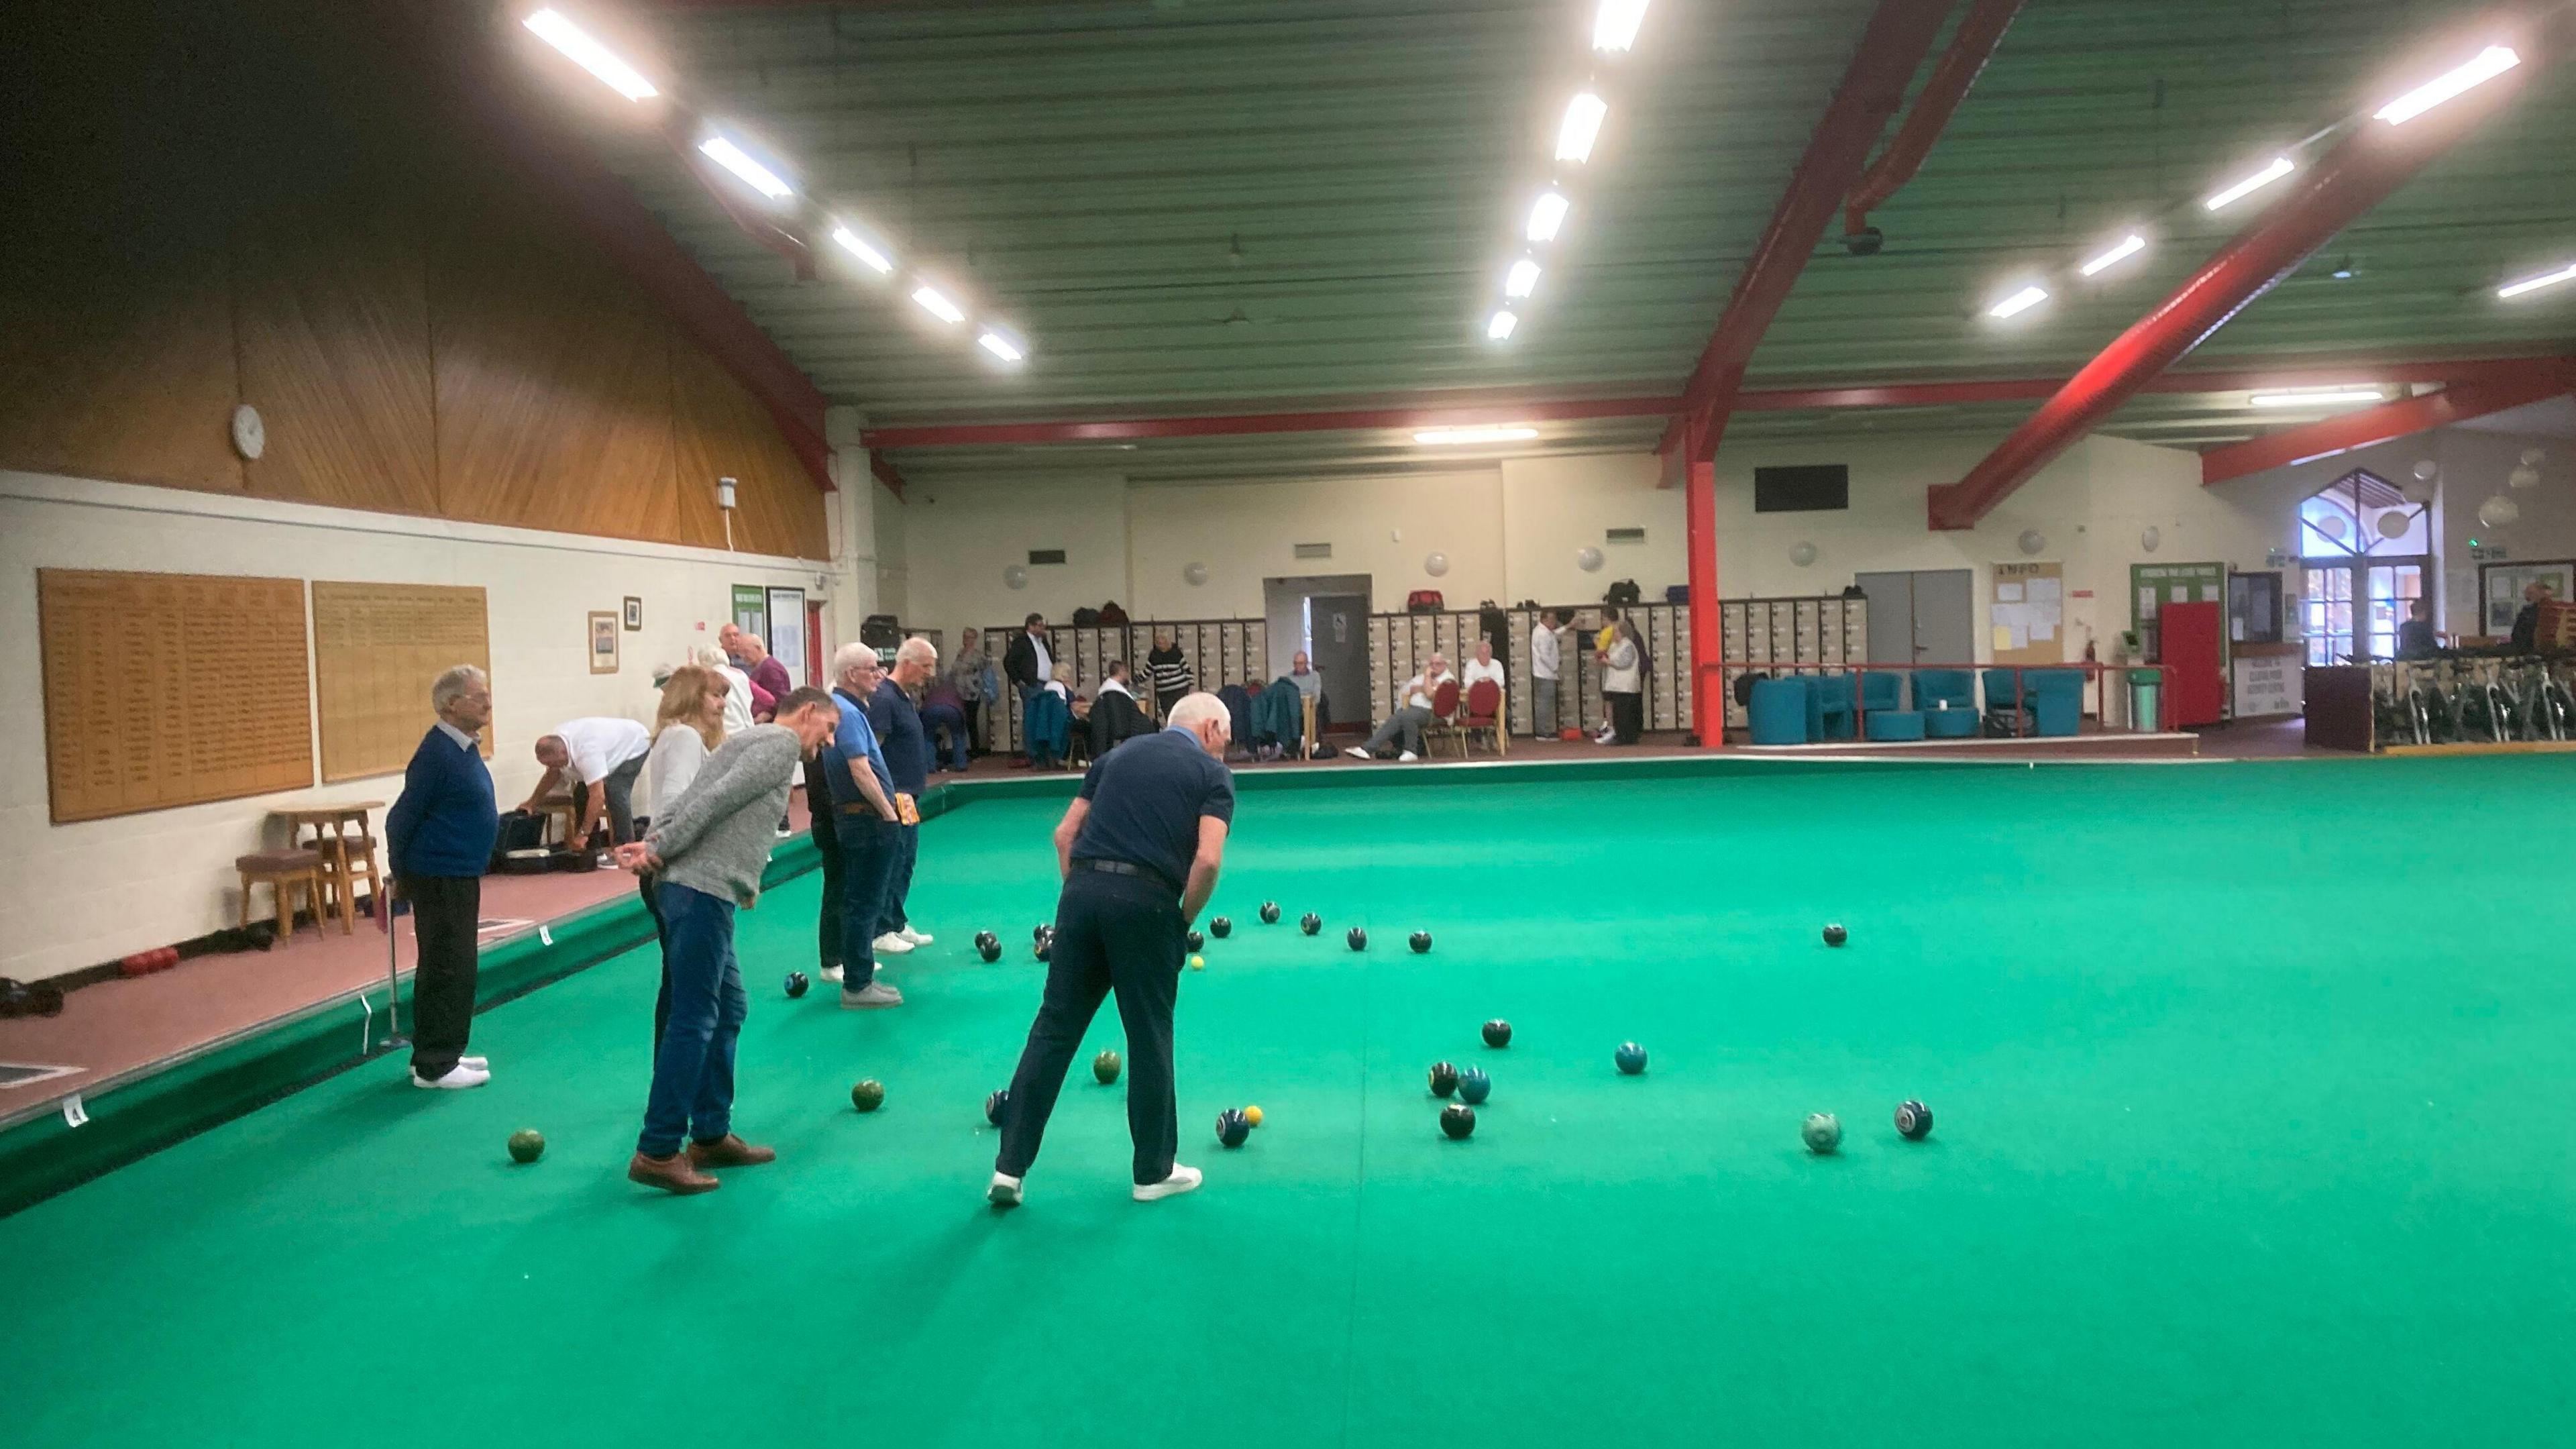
column 1170, row 669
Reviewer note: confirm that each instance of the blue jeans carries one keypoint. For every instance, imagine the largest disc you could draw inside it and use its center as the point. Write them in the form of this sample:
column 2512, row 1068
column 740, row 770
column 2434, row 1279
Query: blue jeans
column 692, row 1094
column 892, row 916
column 937, row 717
column 871, row 845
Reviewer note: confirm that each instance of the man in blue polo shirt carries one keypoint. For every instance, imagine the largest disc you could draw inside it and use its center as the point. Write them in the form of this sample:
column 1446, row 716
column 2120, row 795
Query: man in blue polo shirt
column 438, row 839
column 864, row 823
column 1140, row 849
column 906, row 749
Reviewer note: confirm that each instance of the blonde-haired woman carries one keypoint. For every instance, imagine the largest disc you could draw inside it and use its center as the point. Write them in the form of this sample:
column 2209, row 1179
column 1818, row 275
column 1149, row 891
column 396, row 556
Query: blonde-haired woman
column 687, row 727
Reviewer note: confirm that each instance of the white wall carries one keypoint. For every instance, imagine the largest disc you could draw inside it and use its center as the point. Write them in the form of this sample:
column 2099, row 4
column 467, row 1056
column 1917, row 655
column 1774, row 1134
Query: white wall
column 1511, row 531
column 77, row 895
column 2092, row 507
column 2473, row 465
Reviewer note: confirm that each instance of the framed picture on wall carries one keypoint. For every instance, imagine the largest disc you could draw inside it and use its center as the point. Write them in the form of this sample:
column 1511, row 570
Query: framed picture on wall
column 603, row 642
column 2500, row 587
column 634, row 613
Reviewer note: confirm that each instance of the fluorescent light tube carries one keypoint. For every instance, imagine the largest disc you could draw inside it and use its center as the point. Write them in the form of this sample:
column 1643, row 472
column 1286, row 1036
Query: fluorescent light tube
column 1546, row 215
column 2129, row 246
column 575, row 42
column 733, row 158
column 1582, row 126
column 2491, row 62
column 2280, row 167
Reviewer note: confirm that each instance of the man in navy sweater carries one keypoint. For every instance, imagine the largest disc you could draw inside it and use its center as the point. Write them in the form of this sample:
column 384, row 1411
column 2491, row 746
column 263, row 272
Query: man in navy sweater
column 438, row 838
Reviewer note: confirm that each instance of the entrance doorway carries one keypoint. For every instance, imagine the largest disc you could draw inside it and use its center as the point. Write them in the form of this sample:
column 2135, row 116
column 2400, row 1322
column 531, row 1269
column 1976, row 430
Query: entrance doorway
column 2365, row 554
column 1327, row 616
column 1925, row 616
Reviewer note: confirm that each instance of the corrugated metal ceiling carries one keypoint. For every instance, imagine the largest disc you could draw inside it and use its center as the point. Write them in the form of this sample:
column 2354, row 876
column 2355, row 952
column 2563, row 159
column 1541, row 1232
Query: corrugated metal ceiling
column 1236, row 205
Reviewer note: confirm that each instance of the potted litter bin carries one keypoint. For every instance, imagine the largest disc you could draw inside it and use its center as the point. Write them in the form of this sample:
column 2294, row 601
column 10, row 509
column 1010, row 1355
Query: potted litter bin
column 2144, row 686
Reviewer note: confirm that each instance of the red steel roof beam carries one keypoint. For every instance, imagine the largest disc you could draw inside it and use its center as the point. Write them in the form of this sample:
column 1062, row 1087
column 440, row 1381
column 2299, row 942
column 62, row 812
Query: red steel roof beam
column 2363, row 170
column 1971, row 46
column 2329, row 436
column 1899, row 35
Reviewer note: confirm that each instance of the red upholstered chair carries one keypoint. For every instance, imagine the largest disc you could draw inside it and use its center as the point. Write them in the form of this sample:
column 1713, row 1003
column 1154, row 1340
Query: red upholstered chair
column 1484, row 716
column 1444, row 719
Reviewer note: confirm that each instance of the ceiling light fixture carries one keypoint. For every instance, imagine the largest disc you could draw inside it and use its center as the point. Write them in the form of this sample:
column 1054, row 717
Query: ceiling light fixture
column 1468, row 437
column 2510, row 290
column 1582, row 126
column 2281, row 166
column 2129, row 246
column 2319, row 397
column 850, row 242
column 1000, row 346
column 1614, row 26
column 733, row 158
column 2019, row 302
column 2491, row 62
column 1546, row 215
column 551, row 27
column 1499, row 327
column 1522, row 280
column 937, row 304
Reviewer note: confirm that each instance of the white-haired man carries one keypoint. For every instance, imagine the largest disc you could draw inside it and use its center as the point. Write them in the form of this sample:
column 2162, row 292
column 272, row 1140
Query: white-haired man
column 864, row 822
column 1412, row 712
column 1139, row 850
column 439, row 838
column 906, row 746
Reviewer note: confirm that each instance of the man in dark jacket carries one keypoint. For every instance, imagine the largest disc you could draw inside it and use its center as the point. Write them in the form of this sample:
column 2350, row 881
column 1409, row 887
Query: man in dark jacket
column 1028, row 665
column 1115, row 715
column 438, row 839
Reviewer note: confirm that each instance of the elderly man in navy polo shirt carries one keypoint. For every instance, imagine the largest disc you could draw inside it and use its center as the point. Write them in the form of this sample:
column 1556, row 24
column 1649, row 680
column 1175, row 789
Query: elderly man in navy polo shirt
column 438, row 838
column 1139, row 849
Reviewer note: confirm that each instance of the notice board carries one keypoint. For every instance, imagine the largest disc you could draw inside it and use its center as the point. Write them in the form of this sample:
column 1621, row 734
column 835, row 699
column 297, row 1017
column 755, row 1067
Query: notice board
column 2028, row 614
column 376, row 650
column 171, row 689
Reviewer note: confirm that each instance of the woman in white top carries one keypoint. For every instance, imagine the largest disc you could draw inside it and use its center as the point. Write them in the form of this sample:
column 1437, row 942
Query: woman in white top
column 737, row 705
column 1483, row 666
column 1623, row 686
column 687, row 727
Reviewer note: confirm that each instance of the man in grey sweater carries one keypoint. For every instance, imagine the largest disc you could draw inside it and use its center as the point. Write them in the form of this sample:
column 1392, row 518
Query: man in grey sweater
column 708, row 849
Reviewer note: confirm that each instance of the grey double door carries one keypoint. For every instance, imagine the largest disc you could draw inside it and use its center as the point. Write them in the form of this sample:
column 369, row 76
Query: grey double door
column 1925, row 616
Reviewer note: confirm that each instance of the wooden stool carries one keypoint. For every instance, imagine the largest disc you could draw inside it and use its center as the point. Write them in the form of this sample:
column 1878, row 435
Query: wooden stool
column 281, row 871
column 340, row 838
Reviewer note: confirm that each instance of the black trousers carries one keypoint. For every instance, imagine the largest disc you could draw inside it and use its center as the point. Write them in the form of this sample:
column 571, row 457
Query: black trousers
column 827, row 923
column 444, row 910
column 1112, row 933
column 870, row 844
column 1627, row 717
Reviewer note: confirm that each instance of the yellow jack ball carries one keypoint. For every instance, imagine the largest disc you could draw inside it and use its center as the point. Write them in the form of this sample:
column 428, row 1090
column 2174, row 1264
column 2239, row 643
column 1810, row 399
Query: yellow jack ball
column 1198, row 963
column 1252, row 1115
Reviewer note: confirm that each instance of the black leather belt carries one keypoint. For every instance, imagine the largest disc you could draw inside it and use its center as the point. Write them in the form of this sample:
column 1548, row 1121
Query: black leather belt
column 1128, row 867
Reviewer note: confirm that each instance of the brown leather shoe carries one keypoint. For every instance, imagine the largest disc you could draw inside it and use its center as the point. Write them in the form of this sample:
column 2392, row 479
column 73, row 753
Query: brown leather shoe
column 671, row 1174
column 729, row 1151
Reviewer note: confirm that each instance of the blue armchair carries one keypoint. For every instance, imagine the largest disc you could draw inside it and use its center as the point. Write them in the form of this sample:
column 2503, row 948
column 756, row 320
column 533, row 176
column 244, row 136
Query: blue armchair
column 1881, row 690
column 1830, row 698
column 1945, row 689
column 2056, row 700
column 1778, row 711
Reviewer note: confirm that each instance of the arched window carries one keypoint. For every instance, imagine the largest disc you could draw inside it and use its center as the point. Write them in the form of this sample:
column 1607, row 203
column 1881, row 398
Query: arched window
column 2365, row 552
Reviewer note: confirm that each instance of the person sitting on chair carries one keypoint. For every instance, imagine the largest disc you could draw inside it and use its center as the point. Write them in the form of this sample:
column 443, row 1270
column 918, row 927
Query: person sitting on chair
column 1115, row 714
column 2526, row 624
column 1411, row 714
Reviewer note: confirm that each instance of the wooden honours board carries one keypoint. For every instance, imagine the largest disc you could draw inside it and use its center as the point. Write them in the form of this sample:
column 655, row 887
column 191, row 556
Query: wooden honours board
column 171, row 689
column 376, row 650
